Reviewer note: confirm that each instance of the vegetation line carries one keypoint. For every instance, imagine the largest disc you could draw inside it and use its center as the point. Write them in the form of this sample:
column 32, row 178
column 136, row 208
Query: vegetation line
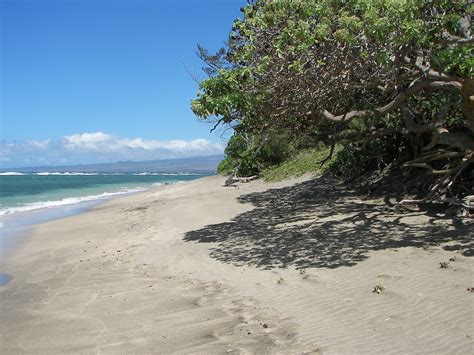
column 390, row 83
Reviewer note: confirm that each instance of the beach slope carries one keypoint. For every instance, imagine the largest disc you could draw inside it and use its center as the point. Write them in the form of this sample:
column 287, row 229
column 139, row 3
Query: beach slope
column 288, row 267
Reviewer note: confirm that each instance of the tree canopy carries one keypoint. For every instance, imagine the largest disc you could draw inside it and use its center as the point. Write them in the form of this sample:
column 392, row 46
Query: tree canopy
column 351, row 71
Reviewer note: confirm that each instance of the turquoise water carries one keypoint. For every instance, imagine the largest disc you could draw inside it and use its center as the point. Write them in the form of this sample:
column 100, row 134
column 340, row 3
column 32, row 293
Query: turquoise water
column 28, row 192
column 28, row 199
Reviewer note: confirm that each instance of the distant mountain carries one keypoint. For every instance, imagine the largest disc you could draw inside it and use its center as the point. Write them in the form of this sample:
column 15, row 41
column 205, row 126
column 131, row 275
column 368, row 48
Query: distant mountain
column 206, row 164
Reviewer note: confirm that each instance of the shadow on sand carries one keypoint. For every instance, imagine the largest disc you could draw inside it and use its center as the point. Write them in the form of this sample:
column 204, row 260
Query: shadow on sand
column 323, row 223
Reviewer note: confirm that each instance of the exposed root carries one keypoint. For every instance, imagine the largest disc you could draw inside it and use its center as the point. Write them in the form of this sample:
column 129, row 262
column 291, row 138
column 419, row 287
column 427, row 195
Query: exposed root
column 456, row 163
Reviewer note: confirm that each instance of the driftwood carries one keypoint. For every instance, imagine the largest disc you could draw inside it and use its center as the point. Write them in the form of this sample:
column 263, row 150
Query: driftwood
column 232, row 179
column 466, row 202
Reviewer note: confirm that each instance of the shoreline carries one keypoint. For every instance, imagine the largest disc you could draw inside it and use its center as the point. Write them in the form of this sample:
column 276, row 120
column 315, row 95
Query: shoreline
column 224, row 314
column 17, row 226
column 263, row 268
column 15, row 233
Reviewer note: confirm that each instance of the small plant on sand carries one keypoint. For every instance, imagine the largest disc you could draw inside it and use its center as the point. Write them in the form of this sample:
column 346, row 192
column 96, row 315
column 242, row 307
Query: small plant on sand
column 304, row 274
column 443, row 265
column 378, row 288
column 280, row 281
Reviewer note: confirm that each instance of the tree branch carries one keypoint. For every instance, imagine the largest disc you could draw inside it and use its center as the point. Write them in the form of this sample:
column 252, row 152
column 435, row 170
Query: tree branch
column 396, row 103
column 217, row 124
column 456, row 40
column 426, row 70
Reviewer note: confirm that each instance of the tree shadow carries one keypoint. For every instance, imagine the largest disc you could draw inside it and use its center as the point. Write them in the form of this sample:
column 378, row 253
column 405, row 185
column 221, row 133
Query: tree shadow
column 324, row 223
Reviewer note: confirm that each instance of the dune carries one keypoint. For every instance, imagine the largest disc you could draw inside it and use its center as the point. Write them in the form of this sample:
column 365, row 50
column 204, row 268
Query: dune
column 286, row 267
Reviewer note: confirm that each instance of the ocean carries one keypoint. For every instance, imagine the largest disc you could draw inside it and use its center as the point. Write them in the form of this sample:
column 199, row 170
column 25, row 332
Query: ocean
column 29, row 198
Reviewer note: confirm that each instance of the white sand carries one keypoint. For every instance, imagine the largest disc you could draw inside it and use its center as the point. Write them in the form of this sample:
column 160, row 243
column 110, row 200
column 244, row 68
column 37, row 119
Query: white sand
column 202, row 268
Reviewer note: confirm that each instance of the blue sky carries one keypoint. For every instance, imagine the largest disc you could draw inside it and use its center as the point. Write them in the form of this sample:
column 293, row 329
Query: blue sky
column 87, row 81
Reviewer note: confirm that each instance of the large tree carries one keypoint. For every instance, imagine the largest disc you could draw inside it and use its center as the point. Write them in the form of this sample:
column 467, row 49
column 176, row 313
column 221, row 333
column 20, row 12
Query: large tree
column 352, row 71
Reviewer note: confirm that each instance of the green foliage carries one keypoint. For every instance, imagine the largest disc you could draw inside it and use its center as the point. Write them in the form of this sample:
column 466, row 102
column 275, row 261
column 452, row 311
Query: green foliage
column 225, row 166
column 305, row 23
column 305, row 161
column 356, row 159
column 430, row 107
column 281, row 51
column 459, row 60
column 346, row 163
column 249, row 154
column 379, row 77
column 220, row 96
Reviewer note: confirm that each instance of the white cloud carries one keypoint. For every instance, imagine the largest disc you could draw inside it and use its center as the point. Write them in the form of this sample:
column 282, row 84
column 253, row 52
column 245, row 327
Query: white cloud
column 98, row 147
column 87, row 141
column 40, row 144
column 99, row 141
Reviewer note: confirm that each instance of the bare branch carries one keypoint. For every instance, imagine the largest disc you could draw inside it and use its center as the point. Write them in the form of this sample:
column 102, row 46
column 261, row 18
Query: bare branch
column 426, row 71
column 430, row 168
column 216, row 125
column 397, row 102
column 331, row 153
column 456, row 40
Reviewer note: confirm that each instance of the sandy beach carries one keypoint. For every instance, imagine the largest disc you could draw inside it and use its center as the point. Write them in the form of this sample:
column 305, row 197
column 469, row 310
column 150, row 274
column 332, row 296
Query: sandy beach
column 260, row 268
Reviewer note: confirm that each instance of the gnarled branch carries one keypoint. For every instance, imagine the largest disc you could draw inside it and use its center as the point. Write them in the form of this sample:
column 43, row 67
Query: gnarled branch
column 396, row 103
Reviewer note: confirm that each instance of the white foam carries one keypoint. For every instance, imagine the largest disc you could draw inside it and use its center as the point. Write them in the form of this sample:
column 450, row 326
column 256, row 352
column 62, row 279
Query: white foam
column 57, row 173
column 33, row 206
column 167, row 174
column 11, row 173
column 181, row 174
column 151, row 174
column 47, row 173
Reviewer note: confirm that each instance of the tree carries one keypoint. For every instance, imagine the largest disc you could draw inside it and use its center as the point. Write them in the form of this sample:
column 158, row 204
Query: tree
column 353, row 71
column 248, row 154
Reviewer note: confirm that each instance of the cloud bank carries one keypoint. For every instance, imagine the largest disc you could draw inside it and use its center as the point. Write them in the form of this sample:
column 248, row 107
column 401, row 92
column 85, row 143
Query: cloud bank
column 99, row 147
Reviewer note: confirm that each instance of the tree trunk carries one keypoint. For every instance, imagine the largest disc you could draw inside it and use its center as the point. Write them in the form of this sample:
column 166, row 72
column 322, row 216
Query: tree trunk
column 467, row 94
